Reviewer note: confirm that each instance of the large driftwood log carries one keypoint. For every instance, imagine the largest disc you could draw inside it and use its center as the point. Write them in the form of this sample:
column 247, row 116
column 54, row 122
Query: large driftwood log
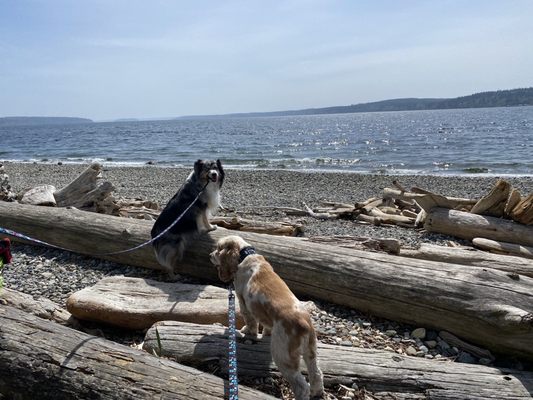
column 375, row 370
column 40, row 359
column 486, row 307
column 471, row 256
column 469, row 226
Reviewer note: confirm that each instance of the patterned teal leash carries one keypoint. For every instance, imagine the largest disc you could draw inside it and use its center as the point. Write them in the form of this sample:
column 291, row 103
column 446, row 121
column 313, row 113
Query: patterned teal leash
column 232, row 354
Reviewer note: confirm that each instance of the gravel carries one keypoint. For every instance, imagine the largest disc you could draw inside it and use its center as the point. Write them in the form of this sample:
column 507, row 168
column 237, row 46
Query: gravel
column 56, row 274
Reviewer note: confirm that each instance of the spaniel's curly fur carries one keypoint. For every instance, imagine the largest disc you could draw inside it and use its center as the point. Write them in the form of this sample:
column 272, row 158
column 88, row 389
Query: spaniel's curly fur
column 264, row 298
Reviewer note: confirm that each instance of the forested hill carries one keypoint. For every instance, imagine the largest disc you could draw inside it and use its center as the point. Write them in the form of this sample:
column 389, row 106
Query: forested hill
column 19, row 121
column 499, row 98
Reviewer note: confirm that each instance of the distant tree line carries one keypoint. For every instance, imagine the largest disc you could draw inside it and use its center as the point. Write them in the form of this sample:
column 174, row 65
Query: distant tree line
column 499, row 98
column 26, row 121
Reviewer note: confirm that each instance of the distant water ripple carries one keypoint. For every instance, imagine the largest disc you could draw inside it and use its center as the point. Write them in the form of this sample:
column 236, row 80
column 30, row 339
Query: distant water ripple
column 489, row 141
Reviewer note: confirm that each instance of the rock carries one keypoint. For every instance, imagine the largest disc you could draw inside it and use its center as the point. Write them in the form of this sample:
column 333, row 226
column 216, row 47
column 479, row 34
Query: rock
column 390, row 332
column 137, row 303
column 42, row 195
column 485, row 361
column 410, row 351
column 431, row 344
column 419, row 333
column 423, row 349
column 465, row 357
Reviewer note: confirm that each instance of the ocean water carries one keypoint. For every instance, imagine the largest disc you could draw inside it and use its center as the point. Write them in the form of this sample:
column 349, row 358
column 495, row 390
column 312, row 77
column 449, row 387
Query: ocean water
column 495, row 141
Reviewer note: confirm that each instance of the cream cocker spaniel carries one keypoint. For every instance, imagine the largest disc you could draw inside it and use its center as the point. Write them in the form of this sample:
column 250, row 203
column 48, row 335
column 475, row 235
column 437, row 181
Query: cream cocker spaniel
column 264, row 298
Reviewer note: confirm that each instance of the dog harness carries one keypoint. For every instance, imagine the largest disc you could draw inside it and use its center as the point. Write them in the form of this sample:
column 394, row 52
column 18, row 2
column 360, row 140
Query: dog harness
column 245, row 252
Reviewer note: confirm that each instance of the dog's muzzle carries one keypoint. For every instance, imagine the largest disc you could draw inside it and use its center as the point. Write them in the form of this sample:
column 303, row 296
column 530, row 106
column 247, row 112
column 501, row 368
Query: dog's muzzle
column 212, row 176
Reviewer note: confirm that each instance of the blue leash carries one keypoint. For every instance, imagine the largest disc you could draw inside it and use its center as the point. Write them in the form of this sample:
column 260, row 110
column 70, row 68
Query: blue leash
column 232, row 342
column 30, row 239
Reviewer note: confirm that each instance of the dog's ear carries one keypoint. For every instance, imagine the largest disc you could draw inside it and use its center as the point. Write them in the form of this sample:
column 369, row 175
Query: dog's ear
column 222, row 173
column 229, row 254
column 198, row 165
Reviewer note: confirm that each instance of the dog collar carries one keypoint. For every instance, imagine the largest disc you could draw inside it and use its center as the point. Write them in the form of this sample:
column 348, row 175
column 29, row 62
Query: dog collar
column 245, row 252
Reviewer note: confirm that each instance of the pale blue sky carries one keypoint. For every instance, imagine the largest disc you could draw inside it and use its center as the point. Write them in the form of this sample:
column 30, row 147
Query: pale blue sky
column 147, row 59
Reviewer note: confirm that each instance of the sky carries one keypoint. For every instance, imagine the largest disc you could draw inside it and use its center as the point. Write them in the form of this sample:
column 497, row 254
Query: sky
column 110, row 59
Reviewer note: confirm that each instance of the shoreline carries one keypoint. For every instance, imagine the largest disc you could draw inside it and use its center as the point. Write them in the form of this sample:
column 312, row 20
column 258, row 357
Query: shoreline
column 257, row 193
column 149, row 164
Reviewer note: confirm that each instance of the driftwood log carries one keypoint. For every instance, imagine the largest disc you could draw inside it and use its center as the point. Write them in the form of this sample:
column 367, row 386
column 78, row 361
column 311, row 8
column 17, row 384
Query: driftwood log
column 249, row 225
column 41, row 307
column 428, row 200
column 375, row 370
column 469, row 226
column 137, row 303
column 486, row 307
column 40, row 359
column 86, row 191
column 472, row 257
column 503, row 247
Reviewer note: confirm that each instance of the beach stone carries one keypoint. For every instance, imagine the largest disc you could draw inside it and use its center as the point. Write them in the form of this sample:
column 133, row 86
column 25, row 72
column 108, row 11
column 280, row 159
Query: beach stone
column 410, row 351
column 42, row 195
column 137, row 303
column 419, row 333
column 431, row 344
column 465, row 357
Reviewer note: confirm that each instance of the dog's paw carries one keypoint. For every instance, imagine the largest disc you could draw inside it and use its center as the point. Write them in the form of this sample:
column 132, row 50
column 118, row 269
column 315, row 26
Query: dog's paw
column 267, row 331
column 249, row 331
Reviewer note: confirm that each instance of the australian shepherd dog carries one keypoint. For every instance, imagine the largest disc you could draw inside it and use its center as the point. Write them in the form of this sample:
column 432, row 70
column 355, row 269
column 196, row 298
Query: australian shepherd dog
column 205, row 180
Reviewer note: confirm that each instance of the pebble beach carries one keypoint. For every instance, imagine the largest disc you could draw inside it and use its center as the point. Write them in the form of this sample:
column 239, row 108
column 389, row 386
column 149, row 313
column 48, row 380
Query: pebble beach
column 55, row 274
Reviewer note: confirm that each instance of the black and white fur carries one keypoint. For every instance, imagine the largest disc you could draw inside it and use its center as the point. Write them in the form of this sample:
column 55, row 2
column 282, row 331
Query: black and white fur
column 170, row 247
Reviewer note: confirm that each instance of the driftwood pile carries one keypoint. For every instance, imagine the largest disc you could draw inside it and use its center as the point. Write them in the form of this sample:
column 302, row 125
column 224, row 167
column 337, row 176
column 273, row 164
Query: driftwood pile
column 89, row 192
column 409, row 208
column 489, row 306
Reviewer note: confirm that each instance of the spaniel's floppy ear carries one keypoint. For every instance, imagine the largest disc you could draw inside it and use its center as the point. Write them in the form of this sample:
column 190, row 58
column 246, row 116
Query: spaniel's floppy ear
column 229, row 261
column 198, row 165
column 222, row 173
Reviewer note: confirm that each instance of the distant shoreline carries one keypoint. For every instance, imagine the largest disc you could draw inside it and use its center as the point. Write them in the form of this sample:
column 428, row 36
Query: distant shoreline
column 120, row 165
column 500, row 98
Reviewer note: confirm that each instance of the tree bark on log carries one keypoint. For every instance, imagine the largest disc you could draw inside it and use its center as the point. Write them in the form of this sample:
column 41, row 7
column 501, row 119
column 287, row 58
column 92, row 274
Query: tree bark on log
column 486, row 307
column 375, row 370
column 40, row 359
column 469, row 226
column 471, row 256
